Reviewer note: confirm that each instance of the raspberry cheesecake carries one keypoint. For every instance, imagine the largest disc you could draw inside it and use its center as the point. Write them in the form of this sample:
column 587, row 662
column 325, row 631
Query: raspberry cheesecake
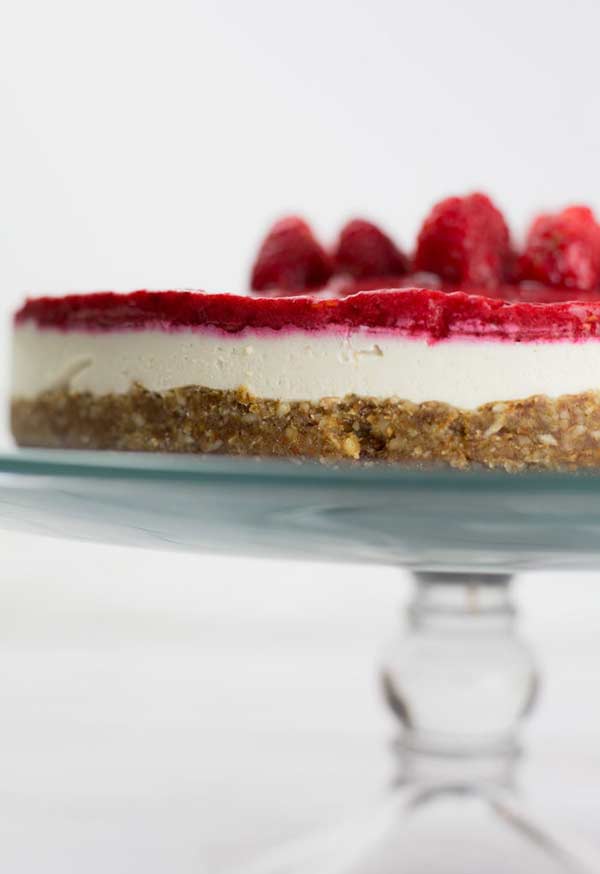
column 467, row 352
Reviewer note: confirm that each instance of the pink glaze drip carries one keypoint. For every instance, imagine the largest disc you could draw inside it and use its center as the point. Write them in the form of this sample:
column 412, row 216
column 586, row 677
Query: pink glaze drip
column 525, row 313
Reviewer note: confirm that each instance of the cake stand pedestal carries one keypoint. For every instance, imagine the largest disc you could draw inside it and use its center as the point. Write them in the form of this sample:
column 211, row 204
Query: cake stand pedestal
column 459, row 679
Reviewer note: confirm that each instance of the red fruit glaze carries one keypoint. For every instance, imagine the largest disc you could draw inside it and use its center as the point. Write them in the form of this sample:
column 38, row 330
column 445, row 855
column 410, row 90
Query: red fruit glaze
column 364, row 251
column 433, row 314
column 290, row 259
column 563, row 249
column 464, row 240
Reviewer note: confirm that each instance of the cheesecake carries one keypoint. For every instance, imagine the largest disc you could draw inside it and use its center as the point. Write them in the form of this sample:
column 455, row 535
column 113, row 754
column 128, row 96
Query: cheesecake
column 468, row 352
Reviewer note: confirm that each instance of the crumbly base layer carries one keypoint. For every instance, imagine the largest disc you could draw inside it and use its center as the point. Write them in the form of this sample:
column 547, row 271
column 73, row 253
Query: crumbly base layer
column 541, row 432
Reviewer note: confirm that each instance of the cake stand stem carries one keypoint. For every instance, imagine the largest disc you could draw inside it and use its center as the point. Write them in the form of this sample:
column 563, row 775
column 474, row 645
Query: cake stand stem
column 460, row 680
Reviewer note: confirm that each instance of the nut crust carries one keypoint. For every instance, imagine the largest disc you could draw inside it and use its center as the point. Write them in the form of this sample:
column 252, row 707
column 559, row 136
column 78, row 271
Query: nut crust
column 540, row 432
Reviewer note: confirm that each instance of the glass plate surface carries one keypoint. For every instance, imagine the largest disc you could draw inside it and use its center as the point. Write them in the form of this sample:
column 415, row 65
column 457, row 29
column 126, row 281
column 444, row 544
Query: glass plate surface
column 422, row 519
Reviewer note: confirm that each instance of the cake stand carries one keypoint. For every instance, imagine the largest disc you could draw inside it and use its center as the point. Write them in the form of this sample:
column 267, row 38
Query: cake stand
column 459, row 678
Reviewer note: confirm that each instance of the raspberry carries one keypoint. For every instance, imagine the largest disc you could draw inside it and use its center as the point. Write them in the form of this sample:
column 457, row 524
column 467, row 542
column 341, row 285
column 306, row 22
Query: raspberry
column 290, row 259
column 363, row 250
column 464, row 240
column 563, row 249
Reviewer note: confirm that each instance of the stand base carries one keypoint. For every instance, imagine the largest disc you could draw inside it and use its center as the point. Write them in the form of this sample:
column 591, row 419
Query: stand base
column 443, row 830
column 460, row 680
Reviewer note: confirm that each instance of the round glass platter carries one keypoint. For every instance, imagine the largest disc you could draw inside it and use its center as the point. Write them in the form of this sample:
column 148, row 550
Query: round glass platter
column 424, row 519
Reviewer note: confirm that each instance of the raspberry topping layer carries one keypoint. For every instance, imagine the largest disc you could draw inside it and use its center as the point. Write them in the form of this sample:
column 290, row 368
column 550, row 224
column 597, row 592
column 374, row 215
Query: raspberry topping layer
column 515, row 313
column 467, row 281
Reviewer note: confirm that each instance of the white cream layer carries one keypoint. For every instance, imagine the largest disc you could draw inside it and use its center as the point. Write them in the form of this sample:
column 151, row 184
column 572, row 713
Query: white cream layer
column 302, row 366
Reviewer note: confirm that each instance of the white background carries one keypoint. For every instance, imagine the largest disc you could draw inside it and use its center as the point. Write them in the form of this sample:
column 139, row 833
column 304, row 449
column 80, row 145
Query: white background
column 162, row 712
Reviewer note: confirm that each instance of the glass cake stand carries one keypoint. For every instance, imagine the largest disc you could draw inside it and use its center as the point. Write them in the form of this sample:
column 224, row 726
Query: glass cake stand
column 459, row 678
